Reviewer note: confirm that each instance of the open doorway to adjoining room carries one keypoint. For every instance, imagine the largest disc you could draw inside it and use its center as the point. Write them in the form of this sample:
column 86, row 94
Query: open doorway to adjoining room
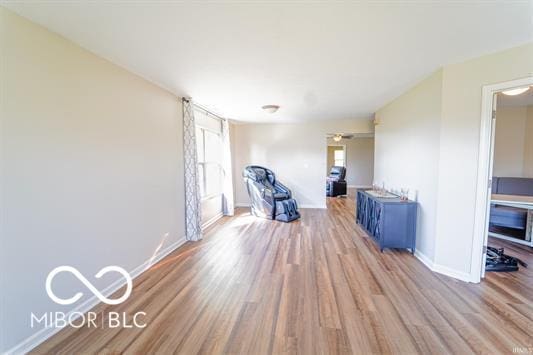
column 504, row 213
column 350, row 163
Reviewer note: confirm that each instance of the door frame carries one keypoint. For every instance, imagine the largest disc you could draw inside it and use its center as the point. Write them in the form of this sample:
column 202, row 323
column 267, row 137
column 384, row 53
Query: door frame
column 484, row 176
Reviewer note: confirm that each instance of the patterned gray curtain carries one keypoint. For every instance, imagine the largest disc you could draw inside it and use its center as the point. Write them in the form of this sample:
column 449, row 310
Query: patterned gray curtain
column 193, row 230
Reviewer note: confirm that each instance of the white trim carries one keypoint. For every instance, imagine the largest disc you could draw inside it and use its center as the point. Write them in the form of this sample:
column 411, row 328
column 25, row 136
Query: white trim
column 212, row 196
column 359, row 186
column 213, row 219
column 460, row 275
column 208, row 112
column 45, row 333
column 247, row 204
column 484, row 173
column 424, row 259
column 444, row 270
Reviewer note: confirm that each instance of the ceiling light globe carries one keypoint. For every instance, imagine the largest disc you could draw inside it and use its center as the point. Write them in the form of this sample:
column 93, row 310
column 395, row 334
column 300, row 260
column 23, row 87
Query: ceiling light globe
column 270, row 108
column 514, row 92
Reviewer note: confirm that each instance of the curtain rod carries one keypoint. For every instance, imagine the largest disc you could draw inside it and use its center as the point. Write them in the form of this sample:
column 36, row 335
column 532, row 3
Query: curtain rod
column 210, row 113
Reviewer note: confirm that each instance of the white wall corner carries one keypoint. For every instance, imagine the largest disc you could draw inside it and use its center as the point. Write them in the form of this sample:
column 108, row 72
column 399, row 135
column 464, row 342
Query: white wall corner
column 425, row 259
column 459, row 275
column 444, row 270
column 44, row 334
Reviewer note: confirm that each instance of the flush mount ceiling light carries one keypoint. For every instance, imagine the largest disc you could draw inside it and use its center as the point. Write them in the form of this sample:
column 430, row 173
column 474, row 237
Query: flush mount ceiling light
column 270, row 108
column 517, row 91
column 337, row 137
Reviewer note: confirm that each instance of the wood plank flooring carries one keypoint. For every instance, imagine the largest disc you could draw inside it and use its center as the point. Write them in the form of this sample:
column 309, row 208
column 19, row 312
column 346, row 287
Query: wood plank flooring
column 315, row 286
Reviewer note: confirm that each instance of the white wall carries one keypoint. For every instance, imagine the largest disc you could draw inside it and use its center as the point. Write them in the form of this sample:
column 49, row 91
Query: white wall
column 359, row 160
column 295, row 152
column 91, row 170
column 459, row 148
column 510, row 137
column 407, row 152
column 419, row 147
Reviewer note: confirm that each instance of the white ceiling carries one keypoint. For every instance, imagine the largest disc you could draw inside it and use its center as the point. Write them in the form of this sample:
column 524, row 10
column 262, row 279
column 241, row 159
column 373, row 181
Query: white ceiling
column 317, row 60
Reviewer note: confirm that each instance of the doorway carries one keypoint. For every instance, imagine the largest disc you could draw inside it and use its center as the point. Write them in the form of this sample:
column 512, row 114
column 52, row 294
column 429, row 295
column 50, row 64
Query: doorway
column 493, row 193
column 336, row 156
column 349, row 163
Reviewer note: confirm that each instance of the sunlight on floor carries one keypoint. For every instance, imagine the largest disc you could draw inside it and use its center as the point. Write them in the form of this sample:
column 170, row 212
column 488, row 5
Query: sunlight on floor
column 244, row 219
column 156, row 251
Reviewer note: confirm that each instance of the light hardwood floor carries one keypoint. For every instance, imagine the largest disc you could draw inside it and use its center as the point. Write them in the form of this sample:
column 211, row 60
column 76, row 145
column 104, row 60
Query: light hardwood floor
column 315, row 286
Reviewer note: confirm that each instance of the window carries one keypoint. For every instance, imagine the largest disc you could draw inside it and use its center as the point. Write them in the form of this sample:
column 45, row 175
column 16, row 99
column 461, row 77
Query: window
column 338, row 157
column 209, row 150
column 210, row 153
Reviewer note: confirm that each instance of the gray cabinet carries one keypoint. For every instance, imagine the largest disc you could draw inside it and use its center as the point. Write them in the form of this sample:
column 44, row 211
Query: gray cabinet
column 391, row 222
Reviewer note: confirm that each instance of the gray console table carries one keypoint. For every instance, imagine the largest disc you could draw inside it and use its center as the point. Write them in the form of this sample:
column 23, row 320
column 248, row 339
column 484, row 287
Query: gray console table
column 391, row 222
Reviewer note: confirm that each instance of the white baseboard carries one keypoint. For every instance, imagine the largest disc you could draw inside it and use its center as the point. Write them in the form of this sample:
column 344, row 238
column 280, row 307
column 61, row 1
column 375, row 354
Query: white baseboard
column 444, row 270
column 299, row 206
column 312, row 206
column 43, row 334
column 359, row 186
column 459, row 275
column 424, row 259
column 212, row 220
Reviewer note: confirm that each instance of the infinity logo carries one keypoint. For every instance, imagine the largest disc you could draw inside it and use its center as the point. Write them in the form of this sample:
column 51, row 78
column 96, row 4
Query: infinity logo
column 89, row 285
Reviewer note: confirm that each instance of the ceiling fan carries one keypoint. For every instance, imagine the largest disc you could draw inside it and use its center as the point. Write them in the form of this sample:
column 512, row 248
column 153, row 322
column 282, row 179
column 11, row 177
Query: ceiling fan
column 337, row 137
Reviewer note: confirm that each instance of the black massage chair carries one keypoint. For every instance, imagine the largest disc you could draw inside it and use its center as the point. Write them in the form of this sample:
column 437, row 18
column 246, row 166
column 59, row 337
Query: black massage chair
column 336, row 183
column 269, row 198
